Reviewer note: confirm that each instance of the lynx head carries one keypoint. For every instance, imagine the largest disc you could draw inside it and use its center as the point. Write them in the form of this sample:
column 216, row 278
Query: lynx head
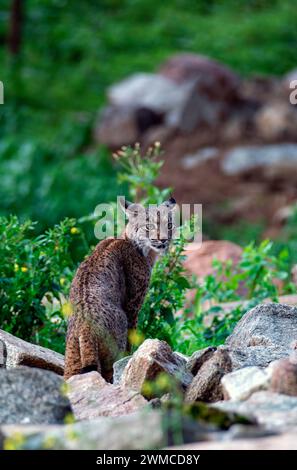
column 150, row 227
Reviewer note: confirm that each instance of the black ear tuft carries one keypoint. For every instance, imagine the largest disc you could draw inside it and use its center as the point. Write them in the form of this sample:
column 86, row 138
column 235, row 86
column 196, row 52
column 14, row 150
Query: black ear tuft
column 170, row 203
column 124, row 203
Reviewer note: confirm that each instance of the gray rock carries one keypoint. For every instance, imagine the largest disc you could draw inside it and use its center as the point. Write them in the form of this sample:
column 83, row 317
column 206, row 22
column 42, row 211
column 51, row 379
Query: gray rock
column 118, row 369
column 184, row 357
column 271, row 410
column 135, row 431
column 242, row 383
column 32, row 396
column 284, row 377
column 15, row 351
column 242, row 159
column 152, row 358
column 206, row 385
column 259, row 356
column 198, row 358
column 266, row 333
column 91, row 397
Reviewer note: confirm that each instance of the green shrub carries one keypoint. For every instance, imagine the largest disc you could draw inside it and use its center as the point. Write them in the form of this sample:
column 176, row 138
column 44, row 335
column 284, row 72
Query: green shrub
column 253, row 280
column 35, row 275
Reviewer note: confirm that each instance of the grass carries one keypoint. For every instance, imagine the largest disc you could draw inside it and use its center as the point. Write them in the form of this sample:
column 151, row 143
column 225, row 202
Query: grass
column 72, row 51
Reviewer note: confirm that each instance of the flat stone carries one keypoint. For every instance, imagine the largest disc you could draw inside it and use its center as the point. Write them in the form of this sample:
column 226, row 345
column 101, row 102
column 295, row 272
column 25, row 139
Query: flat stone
column 91, row 397
column 15, row 351
column 271, row 410
column 242, row 383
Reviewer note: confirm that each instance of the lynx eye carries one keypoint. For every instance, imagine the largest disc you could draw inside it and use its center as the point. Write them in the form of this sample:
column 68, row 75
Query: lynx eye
column 149, row 226
column 170, row 226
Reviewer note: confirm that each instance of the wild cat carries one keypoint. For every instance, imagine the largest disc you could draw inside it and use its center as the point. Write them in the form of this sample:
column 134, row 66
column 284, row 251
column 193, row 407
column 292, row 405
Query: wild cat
column 109, row 287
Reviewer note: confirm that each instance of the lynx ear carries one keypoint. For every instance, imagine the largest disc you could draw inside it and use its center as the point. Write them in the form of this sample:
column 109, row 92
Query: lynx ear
column 124, row 203
column 130, row 208
column 170, row 203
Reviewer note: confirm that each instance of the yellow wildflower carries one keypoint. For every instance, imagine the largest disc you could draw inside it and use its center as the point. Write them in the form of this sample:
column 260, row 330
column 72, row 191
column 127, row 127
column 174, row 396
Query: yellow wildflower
column 163, row 381
column 147, row 389
column 14, row 442
column 69, row 419
column 135, row 337
column 67, row 309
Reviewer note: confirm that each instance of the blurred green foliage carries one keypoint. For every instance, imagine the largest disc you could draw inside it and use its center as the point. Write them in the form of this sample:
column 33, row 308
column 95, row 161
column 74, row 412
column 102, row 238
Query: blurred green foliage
column 258, row 276
column 71, row 51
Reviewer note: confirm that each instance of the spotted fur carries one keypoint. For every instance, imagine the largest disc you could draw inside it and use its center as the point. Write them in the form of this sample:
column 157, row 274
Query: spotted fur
column 109, row 288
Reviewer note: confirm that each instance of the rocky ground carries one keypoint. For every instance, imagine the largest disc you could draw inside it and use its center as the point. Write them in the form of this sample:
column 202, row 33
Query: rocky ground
column 230, row 143
column 241, row 395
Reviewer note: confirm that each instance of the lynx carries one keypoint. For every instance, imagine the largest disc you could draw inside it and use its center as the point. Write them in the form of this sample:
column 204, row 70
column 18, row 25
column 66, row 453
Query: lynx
column 109, row 288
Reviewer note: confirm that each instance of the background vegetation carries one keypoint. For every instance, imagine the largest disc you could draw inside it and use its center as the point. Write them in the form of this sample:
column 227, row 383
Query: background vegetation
column 71, row 51
column 55, row 83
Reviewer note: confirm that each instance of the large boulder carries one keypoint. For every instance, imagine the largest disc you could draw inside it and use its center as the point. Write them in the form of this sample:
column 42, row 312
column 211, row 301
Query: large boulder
column 206, row 385
column 189, row 91
column 264, row 334
column 91, row 397
column 15, row 351
column 32, row 396
column 271, row 410
column 152, row 358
